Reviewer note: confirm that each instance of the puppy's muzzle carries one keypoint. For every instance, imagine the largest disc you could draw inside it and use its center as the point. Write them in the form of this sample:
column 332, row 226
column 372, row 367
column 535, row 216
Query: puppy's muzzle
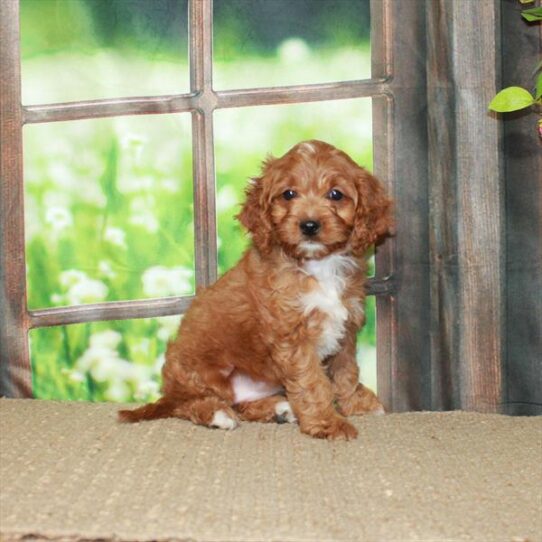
column 310, row 227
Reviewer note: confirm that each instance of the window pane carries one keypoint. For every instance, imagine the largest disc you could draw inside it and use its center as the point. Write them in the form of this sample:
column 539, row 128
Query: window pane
column 268, row 43
column 90, row 49
column 108, row 210
column 104, row 361
column 366, row 351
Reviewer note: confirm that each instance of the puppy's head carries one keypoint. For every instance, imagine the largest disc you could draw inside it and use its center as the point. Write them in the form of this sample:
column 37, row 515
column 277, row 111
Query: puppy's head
column 313, row 201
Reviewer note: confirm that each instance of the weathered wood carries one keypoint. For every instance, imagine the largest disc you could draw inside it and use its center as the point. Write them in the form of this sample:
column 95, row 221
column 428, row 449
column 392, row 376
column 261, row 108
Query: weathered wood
column 445, row 320
column 201, row 83
column 521, row 50
column 15, row 371
column 476, row 59
column 301, row 93
column 93, row 109
column 155, row 105
column 466, row 195
column 403, row 378
column 146, row 308
column 382, row 108
column 120, row 310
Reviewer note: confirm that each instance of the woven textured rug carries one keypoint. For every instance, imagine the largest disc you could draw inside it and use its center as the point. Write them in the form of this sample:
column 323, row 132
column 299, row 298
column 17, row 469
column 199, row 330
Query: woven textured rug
column 70, row 472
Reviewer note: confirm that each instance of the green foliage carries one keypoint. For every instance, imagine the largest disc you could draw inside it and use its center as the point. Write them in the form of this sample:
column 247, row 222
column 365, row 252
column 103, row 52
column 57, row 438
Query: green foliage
column 538, row 91
column 511, row 99
column 532, row 15
column 56, row 34
column 517, row 98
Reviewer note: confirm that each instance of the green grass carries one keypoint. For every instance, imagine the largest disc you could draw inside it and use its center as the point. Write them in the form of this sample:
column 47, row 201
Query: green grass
column 109, row 215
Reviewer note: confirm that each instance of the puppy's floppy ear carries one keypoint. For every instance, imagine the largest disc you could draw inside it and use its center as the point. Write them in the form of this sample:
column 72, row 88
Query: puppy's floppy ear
column 255, row 215
column 374, row 212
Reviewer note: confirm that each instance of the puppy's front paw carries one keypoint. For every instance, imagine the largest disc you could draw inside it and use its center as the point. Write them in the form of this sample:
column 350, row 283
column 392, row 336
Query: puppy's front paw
column 336, row 428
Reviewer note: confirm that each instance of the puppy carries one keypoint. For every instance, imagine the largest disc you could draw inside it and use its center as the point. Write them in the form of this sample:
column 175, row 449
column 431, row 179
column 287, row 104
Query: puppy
column 274, row 339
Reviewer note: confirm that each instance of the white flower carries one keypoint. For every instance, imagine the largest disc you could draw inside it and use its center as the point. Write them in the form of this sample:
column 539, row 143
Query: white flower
column 226, row 198
column 142, row 214
column 105, row 269
column 59, row 218
column 57, row 299
column 170, row 185
column 168, row 328
column 146, row 390
column 147, row 220
column 161, row 281
column 76, row 376
column 132, row 140
column 159, row 363
column 137, row 373
column 71, row 276
column 32, row 225
column 99, row 361
column 55, row 198
column 80, row 288
column 61, row 174
column 133, row 145
column 117, row 391
column 294, row 50
column 115, row 236
column 87, row 291
column 142, row 347
column 129, row 183
column 105, row 339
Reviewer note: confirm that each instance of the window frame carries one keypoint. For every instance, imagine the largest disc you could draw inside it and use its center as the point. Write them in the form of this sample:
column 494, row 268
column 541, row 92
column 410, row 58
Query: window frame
column 201, row 102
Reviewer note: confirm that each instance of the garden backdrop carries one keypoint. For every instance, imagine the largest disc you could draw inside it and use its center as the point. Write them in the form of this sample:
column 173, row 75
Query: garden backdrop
column 108, row 202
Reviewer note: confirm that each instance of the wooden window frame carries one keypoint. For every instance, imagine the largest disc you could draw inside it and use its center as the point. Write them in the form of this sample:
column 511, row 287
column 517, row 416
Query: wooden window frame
column 412, row 308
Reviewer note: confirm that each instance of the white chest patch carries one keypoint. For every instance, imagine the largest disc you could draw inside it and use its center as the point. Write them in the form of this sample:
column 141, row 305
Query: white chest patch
column 247, row 389
column 330, row 272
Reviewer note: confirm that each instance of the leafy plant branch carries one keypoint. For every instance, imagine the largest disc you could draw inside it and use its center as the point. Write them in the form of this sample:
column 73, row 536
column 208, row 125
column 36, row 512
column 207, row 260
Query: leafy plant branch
column 515, row 98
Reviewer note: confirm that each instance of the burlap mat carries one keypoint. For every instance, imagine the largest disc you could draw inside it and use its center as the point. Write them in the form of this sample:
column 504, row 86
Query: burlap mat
column 70, row 472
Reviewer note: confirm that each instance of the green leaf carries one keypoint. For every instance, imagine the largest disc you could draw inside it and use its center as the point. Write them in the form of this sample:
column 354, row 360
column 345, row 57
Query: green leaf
column 533, row 14
column 526, row 1
column 538, row 91
column 511, row 99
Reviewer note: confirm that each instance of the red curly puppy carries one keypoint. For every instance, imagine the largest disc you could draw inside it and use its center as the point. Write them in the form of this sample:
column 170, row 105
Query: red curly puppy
column 274, row 338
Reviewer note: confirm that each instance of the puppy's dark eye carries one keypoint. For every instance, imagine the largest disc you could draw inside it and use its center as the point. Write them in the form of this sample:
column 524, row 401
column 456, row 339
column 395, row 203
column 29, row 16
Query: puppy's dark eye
column 289, row 194
column 335, row 195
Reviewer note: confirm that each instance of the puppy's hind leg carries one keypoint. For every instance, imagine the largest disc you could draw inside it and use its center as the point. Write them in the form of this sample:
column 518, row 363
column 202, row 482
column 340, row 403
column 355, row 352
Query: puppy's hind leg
column 210, row 411
column 275, row 408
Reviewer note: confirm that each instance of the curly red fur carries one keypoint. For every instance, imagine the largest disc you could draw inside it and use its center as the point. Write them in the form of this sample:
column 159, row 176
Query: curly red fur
column 274, row 338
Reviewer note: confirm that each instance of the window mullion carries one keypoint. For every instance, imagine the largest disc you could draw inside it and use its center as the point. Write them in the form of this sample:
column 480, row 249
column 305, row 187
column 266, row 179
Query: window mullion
column 117, row 310
column 15, row 373
column 201, row 82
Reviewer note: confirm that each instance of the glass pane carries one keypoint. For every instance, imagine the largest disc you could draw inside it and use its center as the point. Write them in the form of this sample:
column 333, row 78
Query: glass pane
column 366, row 351
column 108, row 210
column 105, row 361
column 269, row 43
column 90, row 49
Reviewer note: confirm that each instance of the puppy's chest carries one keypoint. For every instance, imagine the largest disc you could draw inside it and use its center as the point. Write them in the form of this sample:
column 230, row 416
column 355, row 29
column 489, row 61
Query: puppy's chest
column 327, row 297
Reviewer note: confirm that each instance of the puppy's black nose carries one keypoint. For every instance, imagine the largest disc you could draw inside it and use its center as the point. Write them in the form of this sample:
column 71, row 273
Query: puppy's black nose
column 310, row 227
